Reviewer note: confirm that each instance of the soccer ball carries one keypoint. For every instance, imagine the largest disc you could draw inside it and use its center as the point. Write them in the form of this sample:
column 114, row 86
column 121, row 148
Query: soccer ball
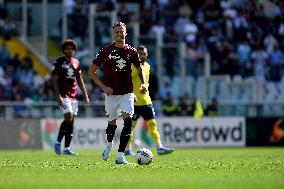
column 144, row 156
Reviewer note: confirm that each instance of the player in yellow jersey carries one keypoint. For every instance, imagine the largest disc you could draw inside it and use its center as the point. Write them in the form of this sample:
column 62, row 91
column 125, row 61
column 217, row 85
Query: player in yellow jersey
column 143, row 105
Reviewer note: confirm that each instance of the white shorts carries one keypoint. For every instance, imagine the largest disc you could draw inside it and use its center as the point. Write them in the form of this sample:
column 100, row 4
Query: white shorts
column 116, row 104
column 70, row 105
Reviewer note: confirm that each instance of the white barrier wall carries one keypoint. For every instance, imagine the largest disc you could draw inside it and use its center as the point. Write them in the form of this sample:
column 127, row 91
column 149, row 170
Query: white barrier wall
column 174, row 131
column 208, row 131
column 88, row 133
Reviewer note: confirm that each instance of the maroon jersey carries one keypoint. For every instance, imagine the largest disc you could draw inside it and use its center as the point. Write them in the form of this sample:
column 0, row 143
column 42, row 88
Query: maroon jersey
column 116, row 64
column 67, row 72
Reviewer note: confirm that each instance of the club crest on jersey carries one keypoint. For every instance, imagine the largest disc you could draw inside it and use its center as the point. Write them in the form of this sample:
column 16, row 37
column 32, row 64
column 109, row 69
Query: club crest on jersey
column 114, row 55
column 65, row 66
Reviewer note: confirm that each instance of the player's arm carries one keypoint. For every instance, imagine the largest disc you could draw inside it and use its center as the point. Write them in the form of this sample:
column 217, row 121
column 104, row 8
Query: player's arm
column 56, row 89
column 142, row 77
column 83, row 88
column 93, row 75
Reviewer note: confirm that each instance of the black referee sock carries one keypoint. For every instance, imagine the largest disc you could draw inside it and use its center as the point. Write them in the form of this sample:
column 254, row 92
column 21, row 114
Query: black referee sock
column 110, row 132
column 69, row 134
column 125, row 134
column 62, row 131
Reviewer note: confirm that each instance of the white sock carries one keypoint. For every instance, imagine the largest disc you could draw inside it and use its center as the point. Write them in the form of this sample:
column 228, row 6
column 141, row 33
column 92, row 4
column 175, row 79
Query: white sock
column 66, row 148
column 119, row 155
column 160, row 145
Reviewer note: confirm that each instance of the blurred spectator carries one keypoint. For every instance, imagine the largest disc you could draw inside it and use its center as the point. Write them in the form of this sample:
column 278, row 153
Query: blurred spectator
column 169, row 105
column 15, row 61
column 8, row 28
column 5, row 55
column 170, row 13
column 27, row 60
column 78, row 24
column 145, row 20
column 259, row 59
column 123, row 14
column 241, row 26
column 243, row 52
column 170, row 36
column 255, row 34
column 212, row 108
column 182, row 20
column 184, row 9
column 276, row 61
column 158, row 29
column 25, row 74
column 212, row 12
column 201, row 48
column 269, row 42
column 108, row 5
column 190, row 30
column 70, row 5
column 191, row 60
column 184, row 108
column 165, row 90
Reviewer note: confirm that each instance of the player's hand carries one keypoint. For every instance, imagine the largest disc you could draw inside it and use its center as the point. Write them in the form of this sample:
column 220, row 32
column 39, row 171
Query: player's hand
column 60, row 101
column 143, row 88
column 108, row 90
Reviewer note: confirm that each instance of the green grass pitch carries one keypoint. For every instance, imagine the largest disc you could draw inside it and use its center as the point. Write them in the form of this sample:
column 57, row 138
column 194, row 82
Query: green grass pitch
column 193, row 168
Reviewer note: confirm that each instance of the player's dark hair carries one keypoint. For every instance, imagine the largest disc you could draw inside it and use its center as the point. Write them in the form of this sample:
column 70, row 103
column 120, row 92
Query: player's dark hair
column 117, row 23
column 141, row 47
column 68, row 42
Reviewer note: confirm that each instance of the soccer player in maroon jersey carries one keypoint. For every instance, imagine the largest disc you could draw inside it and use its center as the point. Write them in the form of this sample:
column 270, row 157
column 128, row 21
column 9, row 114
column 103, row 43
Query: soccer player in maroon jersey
column 116, row 59
column 66, row 74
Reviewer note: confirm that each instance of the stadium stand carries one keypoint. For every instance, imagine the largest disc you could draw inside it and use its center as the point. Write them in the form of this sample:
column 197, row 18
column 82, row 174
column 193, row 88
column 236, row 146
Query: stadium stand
column 243, row 40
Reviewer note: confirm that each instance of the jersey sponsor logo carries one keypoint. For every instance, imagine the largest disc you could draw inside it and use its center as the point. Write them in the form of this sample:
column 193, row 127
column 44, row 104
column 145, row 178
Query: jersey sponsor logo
column 120, row 62
column 70, row 73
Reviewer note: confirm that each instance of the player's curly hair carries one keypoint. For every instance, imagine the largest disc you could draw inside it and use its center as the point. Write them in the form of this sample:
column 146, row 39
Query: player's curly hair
column 117, row 23
column 68, row 42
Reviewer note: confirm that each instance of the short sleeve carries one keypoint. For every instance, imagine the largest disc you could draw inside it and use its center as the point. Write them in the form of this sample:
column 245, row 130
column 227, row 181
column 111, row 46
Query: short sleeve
column 99, row 60
column 135, row 58
column 55, row 70
column 78, row 71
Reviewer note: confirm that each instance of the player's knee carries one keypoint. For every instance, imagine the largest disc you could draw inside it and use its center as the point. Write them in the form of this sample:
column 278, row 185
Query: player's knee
column 113, row 122
column 152, row 123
